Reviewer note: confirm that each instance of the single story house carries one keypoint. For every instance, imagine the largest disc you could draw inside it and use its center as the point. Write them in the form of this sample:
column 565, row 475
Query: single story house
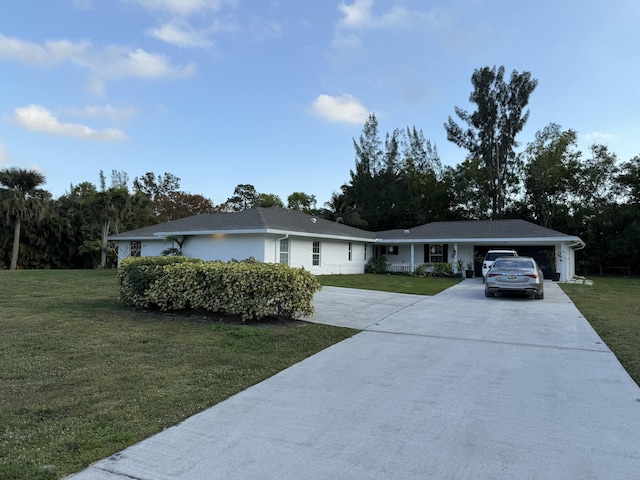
column 325, row 247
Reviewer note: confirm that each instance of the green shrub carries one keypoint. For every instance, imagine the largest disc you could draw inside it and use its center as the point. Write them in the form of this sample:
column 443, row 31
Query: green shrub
column 137, row 274
column 251, row 290
column 376, row 265
column 423, row 270
column 442, row 269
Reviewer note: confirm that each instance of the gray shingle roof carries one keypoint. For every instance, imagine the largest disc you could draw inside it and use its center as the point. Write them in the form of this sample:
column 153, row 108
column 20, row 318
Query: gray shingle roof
column 256, row 219
column 473, row 229
column 284, row 220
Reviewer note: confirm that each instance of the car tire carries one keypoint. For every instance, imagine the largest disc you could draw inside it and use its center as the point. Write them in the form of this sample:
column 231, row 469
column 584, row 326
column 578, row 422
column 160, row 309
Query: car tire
column 539, row 296
column 488, row 294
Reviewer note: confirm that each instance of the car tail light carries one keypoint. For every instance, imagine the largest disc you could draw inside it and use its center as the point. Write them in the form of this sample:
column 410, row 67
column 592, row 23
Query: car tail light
column 493, row 274
column 531, row 275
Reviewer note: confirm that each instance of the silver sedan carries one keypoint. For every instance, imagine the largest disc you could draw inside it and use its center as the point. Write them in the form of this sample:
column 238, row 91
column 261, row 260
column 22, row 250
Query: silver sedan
column 515, row 274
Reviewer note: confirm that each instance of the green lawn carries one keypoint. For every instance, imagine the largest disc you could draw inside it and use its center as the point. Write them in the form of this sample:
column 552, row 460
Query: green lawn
column 612, row 306
column 82, row 377
column 390, row 283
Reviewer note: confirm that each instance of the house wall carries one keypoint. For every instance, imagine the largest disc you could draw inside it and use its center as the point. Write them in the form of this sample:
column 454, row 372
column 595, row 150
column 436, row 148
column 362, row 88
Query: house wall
column 149, row 248
column 225, row 247
column 334, row 254
column 334, row 257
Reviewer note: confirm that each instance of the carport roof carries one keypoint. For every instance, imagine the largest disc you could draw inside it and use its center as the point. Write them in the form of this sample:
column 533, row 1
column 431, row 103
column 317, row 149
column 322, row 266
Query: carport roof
column 476, row 229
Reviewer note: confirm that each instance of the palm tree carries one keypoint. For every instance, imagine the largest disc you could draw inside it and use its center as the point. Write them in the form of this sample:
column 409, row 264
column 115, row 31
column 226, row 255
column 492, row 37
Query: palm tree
column 19, row 201
column 339, row 209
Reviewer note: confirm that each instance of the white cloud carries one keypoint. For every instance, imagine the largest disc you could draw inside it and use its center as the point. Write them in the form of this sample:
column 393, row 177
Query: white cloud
column 106, row 111
column 184, row 7
column 115, row 63
column 344, row 109
column 181, row 34
column 598, row 137
column 38, row 118
column 83, row 4
column 109, row 63
column 359, row 15
column 52, row 52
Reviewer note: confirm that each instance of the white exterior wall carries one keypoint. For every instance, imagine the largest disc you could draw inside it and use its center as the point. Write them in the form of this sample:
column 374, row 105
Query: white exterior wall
column 465, row 253
column 224, row 247
column 334, row 255
column 150, row 248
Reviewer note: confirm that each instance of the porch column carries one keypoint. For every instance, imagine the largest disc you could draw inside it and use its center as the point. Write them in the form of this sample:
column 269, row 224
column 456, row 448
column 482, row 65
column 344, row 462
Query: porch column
column 455, row 258
column 413, row 263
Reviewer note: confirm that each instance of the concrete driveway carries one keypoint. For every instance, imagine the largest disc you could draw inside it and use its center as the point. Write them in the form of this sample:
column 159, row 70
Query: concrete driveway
column 455, row 386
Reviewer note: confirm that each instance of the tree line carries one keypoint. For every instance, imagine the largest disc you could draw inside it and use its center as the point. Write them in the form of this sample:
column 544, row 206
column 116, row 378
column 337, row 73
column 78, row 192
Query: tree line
column 397, row 181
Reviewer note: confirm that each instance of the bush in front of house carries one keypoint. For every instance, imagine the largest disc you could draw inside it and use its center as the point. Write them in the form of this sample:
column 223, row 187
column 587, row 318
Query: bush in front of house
column 377, row 265
column 442, row 269
column 252, row 290
column 136, row 274
column 434, row 269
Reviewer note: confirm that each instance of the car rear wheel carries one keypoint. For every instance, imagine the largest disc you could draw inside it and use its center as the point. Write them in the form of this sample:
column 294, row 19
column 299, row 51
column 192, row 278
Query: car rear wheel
column 539, row 296
column 488, row 294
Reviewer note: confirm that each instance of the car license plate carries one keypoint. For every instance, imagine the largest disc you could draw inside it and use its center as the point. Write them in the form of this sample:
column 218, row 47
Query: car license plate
column 513, row 277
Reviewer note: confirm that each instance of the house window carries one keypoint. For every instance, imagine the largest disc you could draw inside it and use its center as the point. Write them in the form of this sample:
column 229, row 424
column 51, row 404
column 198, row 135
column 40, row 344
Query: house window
column 436, row 253
column 389, row 250
column 135, row 249
column 350, row 251
column 284, row 251
column 315, row 260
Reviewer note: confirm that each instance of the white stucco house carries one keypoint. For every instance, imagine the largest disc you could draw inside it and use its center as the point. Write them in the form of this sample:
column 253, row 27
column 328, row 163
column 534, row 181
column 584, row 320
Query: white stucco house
column 325, row 247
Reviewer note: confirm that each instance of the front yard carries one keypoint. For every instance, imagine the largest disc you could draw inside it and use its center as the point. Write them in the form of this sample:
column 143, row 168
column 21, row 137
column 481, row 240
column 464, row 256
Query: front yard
column 82, row 377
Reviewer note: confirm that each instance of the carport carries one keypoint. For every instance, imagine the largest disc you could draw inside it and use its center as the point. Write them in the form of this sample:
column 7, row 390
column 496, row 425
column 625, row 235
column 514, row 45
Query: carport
column 466, row 243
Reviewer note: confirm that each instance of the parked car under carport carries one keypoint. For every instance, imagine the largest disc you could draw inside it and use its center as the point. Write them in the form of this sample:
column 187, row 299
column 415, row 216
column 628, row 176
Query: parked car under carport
column 515, row 275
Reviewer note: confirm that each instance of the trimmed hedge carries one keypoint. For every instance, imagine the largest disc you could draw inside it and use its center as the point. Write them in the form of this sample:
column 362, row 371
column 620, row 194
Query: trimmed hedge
column 250, row 289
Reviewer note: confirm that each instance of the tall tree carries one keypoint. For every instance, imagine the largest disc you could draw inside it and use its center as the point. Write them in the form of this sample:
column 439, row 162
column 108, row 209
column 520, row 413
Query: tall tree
column 267, row 200
column 158, row 189
column 340, row 209
column 302, row 202
column 244, row 197
column 491, row 130
column 629, row 179
column 20, row 201
column 552, row 163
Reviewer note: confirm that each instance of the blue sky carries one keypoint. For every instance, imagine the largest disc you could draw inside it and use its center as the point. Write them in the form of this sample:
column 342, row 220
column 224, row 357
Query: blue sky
column 273, row 92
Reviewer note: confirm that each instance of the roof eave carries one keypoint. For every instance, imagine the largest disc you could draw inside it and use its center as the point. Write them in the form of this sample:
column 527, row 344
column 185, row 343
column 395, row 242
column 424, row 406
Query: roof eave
column 485, row 240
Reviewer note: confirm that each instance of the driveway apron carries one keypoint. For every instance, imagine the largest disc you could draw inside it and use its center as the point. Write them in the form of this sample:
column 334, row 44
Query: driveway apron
column 454, row 386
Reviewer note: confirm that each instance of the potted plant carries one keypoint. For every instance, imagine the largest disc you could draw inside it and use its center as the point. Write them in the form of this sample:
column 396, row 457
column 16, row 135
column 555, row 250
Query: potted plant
column 469, row 270
column 460, row 265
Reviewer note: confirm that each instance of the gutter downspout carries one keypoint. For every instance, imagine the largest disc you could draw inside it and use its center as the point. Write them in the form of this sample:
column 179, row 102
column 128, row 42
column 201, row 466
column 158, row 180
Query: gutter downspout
column 575, row 246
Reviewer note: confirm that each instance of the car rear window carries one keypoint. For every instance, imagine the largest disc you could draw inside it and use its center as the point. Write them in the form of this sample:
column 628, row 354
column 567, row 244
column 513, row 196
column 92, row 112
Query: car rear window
column 524, row 264
column 492, row 256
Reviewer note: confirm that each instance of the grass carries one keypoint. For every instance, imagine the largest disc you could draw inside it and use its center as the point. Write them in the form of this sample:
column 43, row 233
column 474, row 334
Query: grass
column 612, row 306
column 390, row 283
column 82, row 377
